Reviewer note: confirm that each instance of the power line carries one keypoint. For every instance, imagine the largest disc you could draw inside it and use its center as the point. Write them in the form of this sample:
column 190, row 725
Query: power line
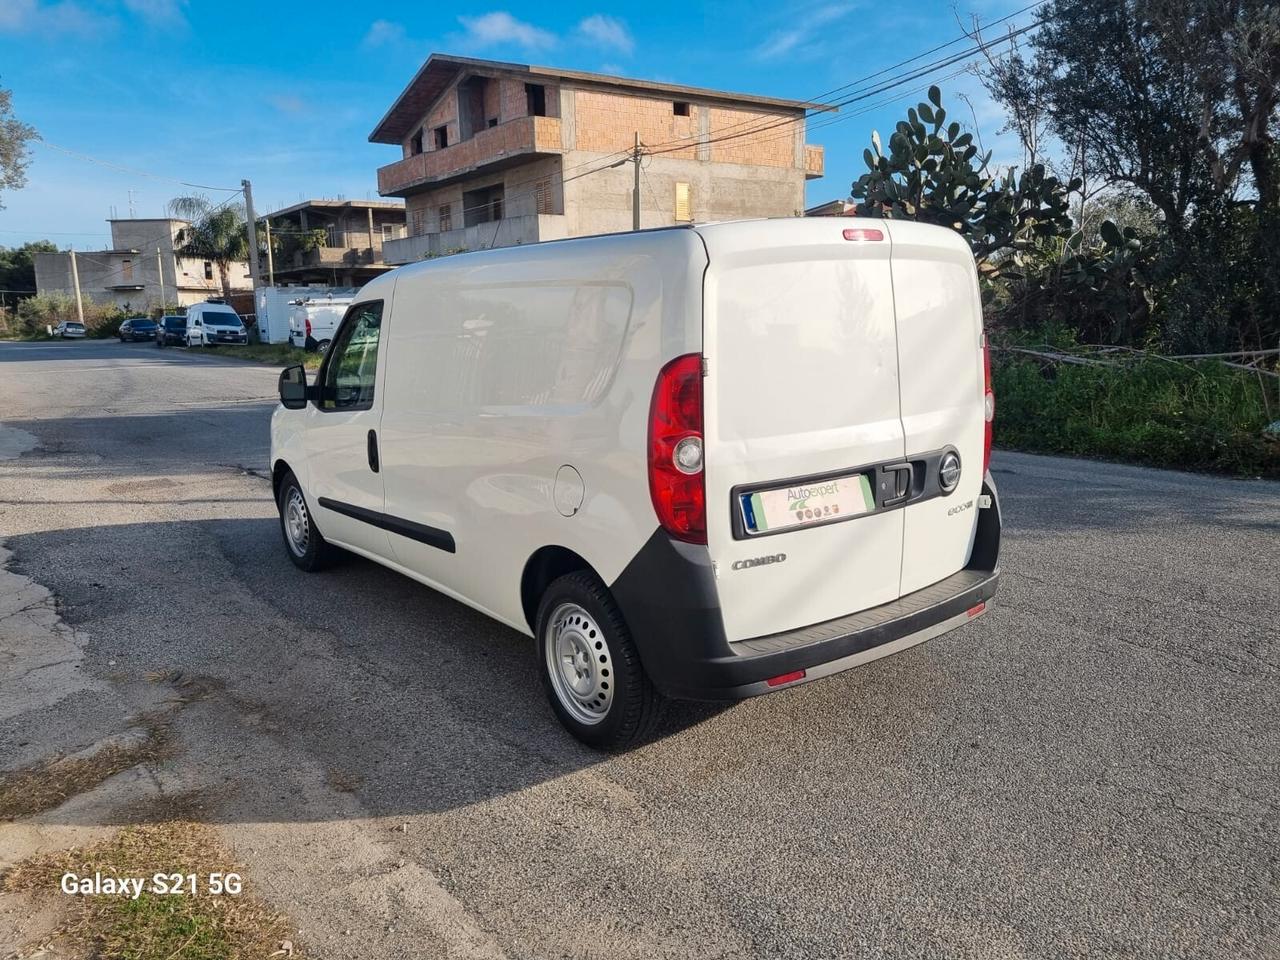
column 866, row 94
column 133, row 170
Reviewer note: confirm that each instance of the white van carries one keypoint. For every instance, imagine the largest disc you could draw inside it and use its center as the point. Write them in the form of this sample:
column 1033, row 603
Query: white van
column 313, row 320
column 698, row 462
column 211, row 323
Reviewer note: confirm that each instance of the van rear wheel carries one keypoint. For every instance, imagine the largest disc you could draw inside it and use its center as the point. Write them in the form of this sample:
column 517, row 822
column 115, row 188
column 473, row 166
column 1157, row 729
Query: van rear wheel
column 590, row 668
column 307, row 549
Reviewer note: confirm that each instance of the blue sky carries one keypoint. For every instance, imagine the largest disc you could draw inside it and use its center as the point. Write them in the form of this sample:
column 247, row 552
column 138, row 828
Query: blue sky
column 285, row 93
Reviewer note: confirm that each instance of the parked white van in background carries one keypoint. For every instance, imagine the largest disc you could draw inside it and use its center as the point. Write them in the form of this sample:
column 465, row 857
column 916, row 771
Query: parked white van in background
column 211, row 323
column 312, row 321
column 699, row 462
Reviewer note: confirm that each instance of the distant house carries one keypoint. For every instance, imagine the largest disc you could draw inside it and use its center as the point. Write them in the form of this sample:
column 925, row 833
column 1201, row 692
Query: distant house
column 139, row 265
column 495, row 154
column 833, row 208
column 333, row 242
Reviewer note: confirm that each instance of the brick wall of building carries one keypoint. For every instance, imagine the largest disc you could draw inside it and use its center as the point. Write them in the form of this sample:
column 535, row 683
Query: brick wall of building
column 608, row 122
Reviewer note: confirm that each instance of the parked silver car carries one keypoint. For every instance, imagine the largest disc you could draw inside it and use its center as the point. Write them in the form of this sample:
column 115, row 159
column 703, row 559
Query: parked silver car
column 69, row 329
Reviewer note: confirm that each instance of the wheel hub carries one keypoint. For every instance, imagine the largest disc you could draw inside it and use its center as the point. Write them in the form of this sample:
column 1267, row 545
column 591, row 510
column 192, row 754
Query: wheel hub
column 296, row 525
column 579, row 664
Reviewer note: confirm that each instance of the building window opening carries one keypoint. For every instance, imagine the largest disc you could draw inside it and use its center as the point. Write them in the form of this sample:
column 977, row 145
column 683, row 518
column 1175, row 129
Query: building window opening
column 446, row 217
column 680, row 108
column 477, row 98
column 208, row 269
column 441, row 136
column 415, row 143
column 482, row 206
column 684, row 204
column 536, row 97
column 126, row 269
column 544, row 197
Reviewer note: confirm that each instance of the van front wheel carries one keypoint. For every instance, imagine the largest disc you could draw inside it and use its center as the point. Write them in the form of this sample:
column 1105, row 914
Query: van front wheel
column 307, row 549
column 590, row 667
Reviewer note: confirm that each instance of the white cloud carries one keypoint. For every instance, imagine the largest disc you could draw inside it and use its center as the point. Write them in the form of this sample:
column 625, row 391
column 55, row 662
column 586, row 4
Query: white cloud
column 800, row 40
column 67, row 17
column 607, row 31
column 501, row 28
column 14, row 13
column 160, row 12
column 382, row 33
column 287, row 102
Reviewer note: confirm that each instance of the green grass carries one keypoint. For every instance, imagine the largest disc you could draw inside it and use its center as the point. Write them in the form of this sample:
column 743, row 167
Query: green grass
column 277, row 354
column 1205, row 416
column 154, row 926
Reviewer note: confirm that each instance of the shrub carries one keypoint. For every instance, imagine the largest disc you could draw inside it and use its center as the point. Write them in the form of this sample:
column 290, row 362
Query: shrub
column 1203, row 416
column 36, row 314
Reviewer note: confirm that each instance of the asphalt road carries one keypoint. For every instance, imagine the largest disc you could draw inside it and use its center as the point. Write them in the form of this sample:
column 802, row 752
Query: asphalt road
column 1089, row 770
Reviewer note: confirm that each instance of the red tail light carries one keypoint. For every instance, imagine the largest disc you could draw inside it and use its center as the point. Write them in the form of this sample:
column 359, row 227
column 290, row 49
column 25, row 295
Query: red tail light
column 675, row 450
column 988, row 404
column 308, row 326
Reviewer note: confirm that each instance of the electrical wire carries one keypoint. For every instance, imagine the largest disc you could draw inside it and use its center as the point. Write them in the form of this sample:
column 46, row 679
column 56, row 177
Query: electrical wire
column 881, row 88
column 825, row 106
column 124, row 169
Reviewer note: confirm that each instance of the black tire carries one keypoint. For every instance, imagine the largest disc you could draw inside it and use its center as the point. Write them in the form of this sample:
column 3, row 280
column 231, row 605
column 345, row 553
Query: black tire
column 322, row 347
column 310, row 552
column 635, row 705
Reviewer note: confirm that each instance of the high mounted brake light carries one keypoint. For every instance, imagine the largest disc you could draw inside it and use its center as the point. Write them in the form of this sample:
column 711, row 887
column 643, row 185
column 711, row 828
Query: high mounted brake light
column 676, row 483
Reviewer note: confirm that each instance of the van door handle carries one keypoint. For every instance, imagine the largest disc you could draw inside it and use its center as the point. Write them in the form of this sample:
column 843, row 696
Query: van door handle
column 900, row 490
column 373, row 450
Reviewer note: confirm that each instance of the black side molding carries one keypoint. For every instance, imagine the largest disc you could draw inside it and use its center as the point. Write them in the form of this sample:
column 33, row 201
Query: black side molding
column 431, row 536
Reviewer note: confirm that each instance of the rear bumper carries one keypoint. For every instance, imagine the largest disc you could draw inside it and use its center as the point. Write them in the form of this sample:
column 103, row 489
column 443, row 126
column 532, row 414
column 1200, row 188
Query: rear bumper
column 668, row 598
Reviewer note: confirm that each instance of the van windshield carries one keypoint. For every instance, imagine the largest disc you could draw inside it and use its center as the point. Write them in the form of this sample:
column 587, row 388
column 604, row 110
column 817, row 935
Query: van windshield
column 221, row 320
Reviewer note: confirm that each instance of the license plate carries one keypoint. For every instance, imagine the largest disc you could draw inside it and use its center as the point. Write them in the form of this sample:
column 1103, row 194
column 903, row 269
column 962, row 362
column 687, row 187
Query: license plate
column 807, row 503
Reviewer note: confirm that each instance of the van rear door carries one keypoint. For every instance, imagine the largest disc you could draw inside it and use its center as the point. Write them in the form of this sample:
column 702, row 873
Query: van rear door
column 939, row 314
column 801, row 392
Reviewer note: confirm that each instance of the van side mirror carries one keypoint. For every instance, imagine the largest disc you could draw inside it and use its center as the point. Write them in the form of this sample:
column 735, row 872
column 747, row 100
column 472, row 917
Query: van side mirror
column 293, row 387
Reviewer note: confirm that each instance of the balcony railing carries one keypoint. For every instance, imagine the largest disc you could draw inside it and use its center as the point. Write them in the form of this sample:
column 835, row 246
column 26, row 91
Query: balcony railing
column 507, row 232
column 524, row 136
column 330, row 257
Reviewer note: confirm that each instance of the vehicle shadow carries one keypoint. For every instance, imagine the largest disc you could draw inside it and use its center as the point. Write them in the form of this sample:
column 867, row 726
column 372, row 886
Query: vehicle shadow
column 400, row 696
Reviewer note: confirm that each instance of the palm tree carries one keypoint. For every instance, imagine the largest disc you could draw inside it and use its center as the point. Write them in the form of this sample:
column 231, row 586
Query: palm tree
column 214, row 232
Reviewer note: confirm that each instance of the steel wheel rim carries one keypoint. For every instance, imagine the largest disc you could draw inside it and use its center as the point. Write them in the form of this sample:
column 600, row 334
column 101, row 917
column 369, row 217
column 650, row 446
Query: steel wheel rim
column 579, row 664
column 297, row 527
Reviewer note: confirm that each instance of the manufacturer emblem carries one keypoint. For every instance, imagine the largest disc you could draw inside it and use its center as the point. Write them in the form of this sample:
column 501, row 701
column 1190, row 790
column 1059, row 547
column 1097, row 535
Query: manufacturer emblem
column 949, row 471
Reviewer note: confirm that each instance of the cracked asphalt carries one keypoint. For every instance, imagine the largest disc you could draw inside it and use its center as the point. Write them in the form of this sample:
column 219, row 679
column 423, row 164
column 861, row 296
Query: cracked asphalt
column 1089, row 770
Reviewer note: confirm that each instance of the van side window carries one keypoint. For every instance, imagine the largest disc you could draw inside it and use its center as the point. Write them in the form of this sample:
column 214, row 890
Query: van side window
column 352, row 365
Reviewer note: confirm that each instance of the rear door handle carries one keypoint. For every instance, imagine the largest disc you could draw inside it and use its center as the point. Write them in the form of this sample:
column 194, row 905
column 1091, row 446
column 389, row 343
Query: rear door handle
column 373, row 450
column 900, row 490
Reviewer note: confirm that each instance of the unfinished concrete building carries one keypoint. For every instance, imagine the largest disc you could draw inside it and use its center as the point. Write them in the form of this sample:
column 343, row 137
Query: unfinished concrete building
column 496, row 154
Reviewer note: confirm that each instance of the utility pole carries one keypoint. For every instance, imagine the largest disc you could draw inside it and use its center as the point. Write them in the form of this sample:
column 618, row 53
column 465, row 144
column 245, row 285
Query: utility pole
column 160, row 270
column 271, row 260
column 252, row 226
column 75, row 278
column 635, row 191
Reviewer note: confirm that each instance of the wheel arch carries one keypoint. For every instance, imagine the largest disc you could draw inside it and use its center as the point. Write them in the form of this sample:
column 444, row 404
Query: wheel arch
column 546, row 565
column 278, row 471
